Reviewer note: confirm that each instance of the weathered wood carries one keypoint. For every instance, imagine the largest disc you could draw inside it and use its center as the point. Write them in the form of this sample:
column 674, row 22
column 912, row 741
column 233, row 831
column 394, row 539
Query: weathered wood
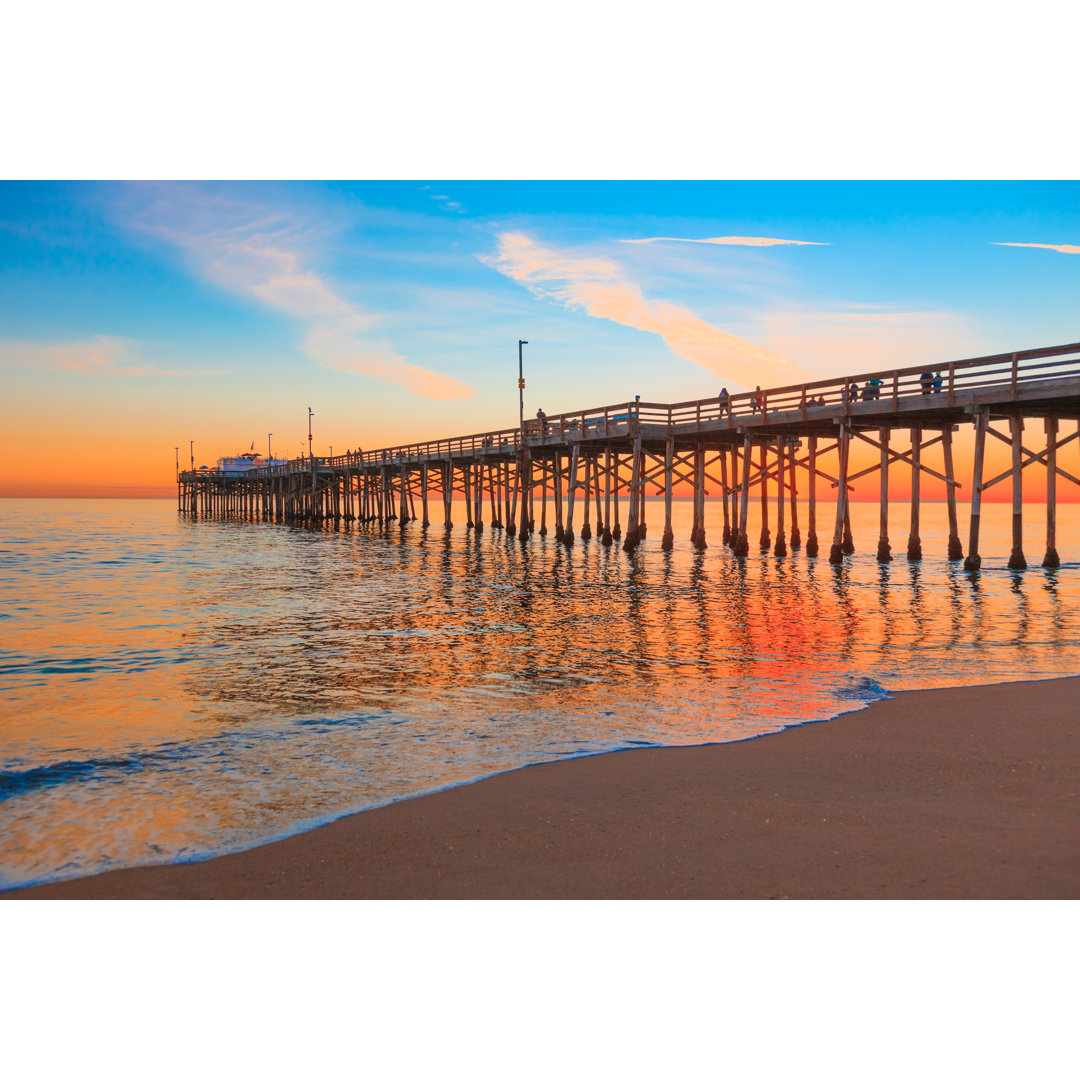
column 765, row 538
column 956, row 550
column 586, row 528
column 914, row 544
column 632, row 533
column 796, row 537
column 780, row 548
column 836, row 552
column 1051, row 559
column 571, row 485
column 742, row 546
column 884, row 548
column 974, row 560
column 1016, row 430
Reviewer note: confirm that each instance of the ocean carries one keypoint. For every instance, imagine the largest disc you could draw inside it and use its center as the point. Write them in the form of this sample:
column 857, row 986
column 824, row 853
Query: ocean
column 172, row 689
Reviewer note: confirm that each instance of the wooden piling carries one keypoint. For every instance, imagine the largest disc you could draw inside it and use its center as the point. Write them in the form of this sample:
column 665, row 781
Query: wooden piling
column 836, row 552
column 956, row 550
column 668, row 541
column 780, row 549
column 914, row 544
column 1051, row 559
column 1016, row 432
column 811, row 515
column 586, row 528
column 742, row 545
column 884, row 549
column 633, row 512
column 974, row 560
column 571, row 485
column 765, row 537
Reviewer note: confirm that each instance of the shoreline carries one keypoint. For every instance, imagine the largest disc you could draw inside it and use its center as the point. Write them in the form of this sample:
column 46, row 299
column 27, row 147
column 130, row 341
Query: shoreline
column 966, row 792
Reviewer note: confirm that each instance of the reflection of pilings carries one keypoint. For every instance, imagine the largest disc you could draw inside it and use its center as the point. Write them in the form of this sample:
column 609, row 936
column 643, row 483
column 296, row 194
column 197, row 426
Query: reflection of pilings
column 524, row 520
column 1050, row 559
column 1016, row 431
column 616, row 531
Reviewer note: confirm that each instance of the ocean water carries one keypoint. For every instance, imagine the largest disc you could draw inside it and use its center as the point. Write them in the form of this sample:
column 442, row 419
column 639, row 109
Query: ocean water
column 172, row 688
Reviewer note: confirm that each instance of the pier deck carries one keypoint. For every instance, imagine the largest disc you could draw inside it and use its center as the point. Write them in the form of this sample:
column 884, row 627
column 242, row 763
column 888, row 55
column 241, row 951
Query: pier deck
column 720, row 447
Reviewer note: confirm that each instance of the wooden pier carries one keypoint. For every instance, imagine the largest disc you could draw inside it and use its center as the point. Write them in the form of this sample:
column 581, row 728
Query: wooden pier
column 596, row 466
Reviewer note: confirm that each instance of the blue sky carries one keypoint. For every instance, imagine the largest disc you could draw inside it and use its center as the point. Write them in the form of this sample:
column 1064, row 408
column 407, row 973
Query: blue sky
column 393, row 309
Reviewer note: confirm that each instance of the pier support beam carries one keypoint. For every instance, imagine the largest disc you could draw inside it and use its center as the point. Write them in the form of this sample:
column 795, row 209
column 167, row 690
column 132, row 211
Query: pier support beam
column 956, row 550
column 1016, row 558
column 811, row 517
column 836, row 552
column 973, row 560
column 1051, row 560
column 914, row 544
column 742, row 544
column 765, row 537
column 781, row 541
column 668, row 541
column 884, row 549
column 571, row 485
column 633, row 514
column 796, row 538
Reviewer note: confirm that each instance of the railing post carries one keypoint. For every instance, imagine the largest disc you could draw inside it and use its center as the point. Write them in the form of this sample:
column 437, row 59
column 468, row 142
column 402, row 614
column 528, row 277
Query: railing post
column 895, row 390
column 1015, row 368
column 952, row 383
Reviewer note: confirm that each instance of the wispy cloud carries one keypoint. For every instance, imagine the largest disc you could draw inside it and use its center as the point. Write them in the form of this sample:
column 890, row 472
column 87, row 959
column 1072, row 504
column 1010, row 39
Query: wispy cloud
column 738, row 241
column 1068, row 249
column 857, row 338
column 100, row 356
column 599, row 287
column 266, row 253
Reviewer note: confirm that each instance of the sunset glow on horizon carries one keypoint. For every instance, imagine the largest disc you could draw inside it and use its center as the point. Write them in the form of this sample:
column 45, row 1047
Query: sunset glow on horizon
column 139, row 318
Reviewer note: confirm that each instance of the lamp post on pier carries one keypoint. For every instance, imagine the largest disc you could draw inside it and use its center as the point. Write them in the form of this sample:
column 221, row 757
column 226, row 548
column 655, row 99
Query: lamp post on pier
column 269, row 455
column 192, row 447
column 310, row 414
column 521, row 390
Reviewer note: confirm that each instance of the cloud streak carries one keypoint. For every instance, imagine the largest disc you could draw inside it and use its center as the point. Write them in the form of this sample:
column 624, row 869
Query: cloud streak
column 598, row 286
column 1068, row 249
column 738, row 241
column 265, row 254
column 98, row 356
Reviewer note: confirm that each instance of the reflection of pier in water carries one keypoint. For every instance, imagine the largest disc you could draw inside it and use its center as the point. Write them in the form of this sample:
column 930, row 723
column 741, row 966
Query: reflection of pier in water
column 766, row 443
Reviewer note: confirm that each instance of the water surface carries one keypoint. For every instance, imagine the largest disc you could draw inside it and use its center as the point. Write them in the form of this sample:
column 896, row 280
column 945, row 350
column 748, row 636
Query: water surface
column 171, row 688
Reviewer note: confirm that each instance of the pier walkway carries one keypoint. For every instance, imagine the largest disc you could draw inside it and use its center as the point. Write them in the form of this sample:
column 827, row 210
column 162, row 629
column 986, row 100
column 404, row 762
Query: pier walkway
column 767, row 443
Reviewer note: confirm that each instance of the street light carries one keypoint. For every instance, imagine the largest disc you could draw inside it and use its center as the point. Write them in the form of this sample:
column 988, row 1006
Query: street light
column 310, row 414
column 269, row 456
column 193, row 454
column 178, row 463
column 521, row 389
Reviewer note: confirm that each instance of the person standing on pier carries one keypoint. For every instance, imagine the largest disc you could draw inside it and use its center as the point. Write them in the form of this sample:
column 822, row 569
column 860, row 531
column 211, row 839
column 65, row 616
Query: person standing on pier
column 926, row 381
column 542, row 417
column 724, row 400
column 757, row 402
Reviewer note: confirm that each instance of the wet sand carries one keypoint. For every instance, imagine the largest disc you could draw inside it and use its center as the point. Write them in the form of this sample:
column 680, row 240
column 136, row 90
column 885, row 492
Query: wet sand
column 963, row 793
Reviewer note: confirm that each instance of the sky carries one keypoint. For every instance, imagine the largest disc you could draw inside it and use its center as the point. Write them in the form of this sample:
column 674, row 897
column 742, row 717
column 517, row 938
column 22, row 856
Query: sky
column 140, row 317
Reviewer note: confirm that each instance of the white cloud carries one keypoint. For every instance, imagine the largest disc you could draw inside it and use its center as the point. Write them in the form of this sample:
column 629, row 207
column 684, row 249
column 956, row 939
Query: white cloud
column 266, row 253
column 1068, row 249
column 100, row 356
column 599, row 287
column 738, row 241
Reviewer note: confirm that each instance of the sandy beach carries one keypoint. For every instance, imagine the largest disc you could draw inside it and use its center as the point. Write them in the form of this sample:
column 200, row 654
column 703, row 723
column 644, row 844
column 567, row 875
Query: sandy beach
column 960, row 793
